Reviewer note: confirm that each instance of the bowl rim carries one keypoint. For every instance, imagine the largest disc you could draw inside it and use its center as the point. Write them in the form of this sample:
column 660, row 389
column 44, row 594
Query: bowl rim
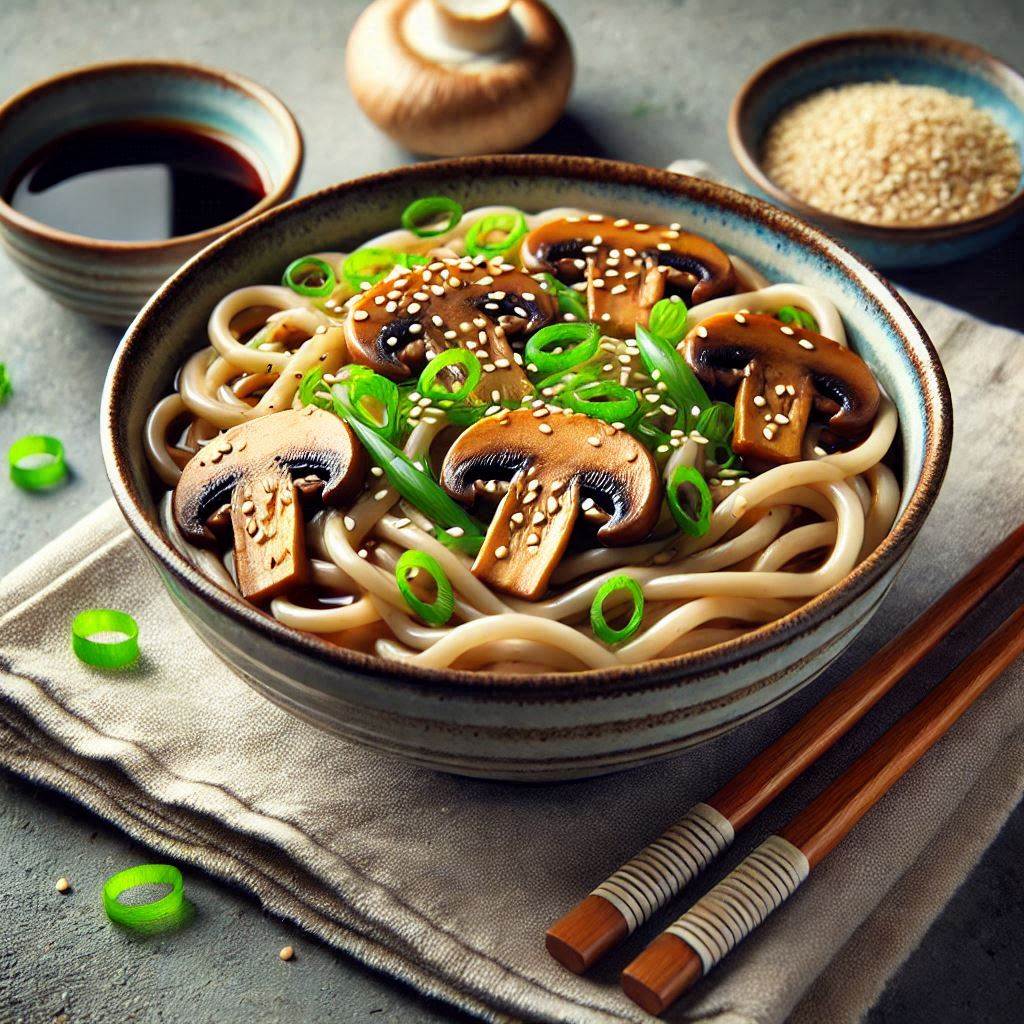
column 779, row 66
column 280, row 190
column 643, row 676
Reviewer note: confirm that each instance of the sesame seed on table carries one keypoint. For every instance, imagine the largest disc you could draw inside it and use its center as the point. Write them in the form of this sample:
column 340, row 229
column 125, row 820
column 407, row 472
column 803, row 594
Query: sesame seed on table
column 676, row 69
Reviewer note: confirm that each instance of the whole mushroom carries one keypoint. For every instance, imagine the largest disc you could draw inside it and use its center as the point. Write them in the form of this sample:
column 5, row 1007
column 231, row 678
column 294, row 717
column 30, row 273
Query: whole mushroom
column 454, row 77
column 554, row 461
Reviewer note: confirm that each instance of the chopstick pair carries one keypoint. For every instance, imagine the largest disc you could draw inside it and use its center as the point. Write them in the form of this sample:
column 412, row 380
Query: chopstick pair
column 690, row 947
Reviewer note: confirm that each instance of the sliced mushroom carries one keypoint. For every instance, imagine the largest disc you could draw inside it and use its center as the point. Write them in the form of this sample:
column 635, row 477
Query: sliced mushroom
column 785, row 375
column 402, row 321
column 627, row 266
column 250, row 467
column 554, row 461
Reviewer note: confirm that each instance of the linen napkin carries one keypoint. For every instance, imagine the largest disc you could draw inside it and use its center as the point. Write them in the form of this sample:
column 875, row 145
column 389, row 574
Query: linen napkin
column 449, row 883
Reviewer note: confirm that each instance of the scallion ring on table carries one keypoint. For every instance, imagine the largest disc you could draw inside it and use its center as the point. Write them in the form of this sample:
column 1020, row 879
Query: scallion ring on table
column 438, row 611
column 368, row 266
column 698, row 522
column 429, row 386
column 668, row 320
column 602, row 630
column 310, row 277
column 800, row 317
column 587, row 338
column 419, row 216
column 94, row 622
column 5, row 384
column 45, row 456
column 601, row 399
column 135, row 915
column 513, row 224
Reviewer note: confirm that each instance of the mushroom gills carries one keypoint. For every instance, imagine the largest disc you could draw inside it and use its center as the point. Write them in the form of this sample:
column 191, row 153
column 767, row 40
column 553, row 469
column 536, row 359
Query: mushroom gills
column 527, row 537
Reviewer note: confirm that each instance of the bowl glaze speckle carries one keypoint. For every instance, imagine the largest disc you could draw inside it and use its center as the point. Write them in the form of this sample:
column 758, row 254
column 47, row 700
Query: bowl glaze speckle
column 109, row 281
column 875, row 55
column 543, row 726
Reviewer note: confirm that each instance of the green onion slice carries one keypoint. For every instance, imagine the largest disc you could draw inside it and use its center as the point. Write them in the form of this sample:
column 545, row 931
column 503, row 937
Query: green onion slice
column 5, row 384
column 437, row 612
column 601, row 399
column 599, row 623
column 116, row 653
column 412, row 483
column 694, row 525
column 382, row 415
column 467, row 543
column 143, row 913
column 312, row 390
column 666, row 365
column 668, row 320
column 587, row 338
column 716, row 424
column 309, row 276
column 429, row 210
column 513, row 224
column 46, row 455
column 368, row 266
column 568, row 298
column 431, row 388
column 800, row 317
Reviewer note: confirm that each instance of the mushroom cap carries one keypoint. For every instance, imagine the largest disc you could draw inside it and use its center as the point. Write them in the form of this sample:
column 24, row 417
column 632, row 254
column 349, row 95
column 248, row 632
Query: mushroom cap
column 719, row 349
column 299, row 442
column 618, row 472
column 414, row 69
column 693, row 261
column 395, row 343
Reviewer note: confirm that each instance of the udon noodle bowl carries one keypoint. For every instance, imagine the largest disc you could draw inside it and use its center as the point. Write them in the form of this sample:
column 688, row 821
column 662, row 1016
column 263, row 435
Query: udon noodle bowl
column 509, row 442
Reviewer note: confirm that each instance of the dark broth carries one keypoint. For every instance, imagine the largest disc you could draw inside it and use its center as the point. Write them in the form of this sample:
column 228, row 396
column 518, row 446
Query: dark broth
column 133, row 181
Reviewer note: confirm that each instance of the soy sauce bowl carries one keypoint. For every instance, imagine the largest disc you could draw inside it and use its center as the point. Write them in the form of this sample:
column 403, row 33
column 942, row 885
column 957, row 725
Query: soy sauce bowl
column 109, row 281
column 883, row 55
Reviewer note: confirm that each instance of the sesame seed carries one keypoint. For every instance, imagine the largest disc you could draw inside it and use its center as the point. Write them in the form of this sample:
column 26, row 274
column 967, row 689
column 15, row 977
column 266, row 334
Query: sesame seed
column 768, row 433
column 804, row 343
column 740, row 318
column 702, row 332
column 759, row 400
column 786, row 329
column 546, row 428
column 595, row 441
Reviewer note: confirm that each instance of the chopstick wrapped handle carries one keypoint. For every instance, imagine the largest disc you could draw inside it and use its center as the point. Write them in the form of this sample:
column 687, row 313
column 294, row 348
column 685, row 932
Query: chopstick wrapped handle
column 715, row 924
column 641, row 887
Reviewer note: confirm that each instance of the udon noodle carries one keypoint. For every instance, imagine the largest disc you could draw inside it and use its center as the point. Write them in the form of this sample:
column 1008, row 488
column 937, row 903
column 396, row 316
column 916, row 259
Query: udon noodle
column 774, row 535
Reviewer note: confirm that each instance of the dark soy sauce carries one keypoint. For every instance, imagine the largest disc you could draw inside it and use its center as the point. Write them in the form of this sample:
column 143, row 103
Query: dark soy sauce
column 136, row 181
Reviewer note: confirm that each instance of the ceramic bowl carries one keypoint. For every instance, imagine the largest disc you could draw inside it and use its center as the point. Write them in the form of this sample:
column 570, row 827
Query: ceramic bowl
column 545, row 726
column 916, row 58
column 106, row 280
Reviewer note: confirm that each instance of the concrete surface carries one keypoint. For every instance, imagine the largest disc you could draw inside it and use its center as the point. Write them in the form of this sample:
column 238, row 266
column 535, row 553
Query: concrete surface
column 654, row 83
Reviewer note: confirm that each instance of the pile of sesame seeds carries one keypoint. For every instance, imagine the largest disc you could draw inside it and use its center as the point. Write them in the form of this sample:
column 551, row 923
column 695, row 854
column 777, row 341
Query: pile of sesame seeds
column 892, row 154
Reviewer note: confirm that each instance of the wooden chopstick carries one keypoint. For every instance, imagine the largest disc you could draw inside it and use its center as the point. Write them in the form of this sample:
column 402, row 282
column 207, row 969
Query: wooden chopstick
column 722, row 918
column 654, row 876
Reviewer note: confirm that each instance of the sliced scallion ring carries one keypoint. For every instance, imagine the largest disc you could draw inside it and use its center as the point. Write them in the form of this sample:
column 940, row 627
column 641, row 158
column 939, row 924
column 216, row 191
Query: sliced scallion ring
column 37, row 462
column 310, row 277
column 513, row 224
column 421, row 213
column 138, row 914
column 569, row 300
column 601, row 399
column 94, row 622
column 694, row 524
column 602, row 630
column 668, row 320
column 429, row 387
column 368, row 266
column 313, row 390
column 800, row 317
column 384, row 394
column 5, row 384
column 437, row 612
column 587, row 338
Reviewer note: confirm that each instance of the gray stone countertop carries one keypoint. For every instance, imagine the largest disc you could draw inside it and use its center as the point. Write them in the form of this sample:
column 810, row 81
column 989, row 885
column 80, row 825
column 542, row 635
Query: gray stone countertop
column 654, row 83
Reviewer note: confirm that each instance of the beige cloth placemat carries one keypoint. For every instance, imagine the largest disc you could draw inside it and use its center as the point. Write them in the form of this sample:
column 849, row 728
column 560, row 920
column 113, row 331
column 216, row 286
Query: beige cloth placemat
column 449, row 883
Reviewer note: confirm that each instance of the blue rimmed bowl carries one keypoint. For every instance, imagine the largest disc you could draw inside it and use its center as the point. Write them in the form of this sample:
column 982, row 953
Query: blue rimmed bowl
column 875, row 55
column 108, row 280
column 543, row 726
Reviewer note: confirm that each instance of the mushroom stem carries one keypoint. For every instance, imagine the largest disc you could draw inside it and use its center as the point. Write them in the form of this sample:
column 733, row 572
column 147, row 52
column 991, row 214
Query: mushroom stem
column 479, row 26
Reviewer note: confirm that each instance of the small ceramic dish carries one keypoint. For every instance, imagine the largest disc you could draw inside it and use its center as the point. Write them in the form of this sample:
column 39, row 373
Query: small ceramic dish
column 106, row 280
column 547, row 725
column 917, row 58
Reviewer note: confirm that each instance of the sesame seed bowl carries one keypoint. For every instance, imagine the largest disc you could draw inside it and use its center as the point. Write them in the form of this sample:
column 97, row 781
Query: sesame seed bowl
column 951, row 185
